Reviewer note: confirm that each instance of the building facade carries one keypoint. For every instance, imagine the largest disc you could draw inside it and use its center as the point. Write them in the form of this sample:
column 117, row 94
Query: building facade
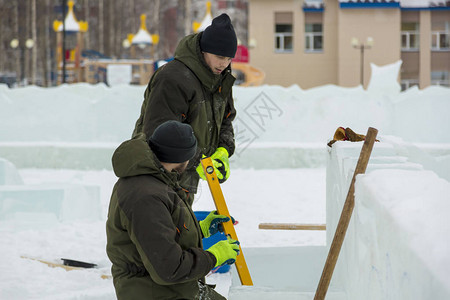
column 318, row 42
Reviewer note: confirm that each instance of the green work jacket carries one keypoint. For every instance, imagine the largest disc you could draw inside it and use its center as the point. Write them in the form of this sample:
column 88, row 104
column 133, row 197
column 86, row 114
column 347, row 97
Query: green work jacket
column 153, row 238
column 186, row 90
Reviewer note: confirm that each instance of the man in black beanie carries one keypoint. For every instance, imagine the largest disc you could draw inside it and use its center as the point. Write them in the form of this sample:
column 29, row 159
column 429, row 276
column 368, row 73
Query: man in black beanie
column 174, row 144
column 219, row 43
column 196, row 88
column 154, row 240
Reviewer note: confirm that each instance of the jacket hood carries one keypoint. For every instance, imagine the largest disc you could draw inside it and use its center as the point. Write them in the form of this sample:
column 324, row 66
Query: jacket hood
column 188, row 52
column 134, row 157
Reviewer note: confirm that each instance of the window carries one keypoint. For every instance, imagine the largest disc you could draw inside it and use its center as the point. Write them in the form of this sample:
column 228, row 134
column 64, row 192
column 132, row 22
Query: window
column 440, row 40
column 440, row 78
column 313, row 37
column 283, row 38
column 407, row 83
column 283, row 32
column 410, row 36
column 410, row 70
column 440, row 34
column 313, row 31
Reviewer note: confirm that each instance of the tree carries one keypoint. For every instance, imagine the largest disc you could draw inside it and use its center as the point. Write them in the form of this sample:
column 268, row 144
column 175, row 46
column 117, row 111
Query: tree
column 109, row 23
column 34, row 38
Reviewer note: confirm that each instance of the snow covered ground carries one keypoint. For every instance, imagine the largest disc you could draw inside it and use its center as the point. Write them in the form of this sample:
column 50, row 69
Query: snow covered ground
column 276, row 126
column 265, row 196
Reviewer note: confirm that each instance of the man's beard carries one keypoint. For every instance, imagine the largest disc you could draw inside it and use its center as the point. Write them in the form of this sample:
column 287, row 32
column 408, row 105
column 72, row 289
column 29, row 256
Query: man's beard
column 181, row 167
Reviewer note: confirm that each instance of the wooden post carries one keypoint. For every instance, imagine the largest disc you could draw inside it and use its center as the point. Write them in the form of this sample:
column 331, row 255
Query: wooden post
column 59, row 58
column 221, row 206
column 346, row 214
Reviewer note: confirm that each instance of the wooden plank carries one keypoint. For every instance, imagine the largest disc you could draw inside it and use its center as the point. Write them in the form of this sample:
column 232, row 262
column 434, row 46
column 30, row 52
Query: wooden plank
column 53, row 264
column 291, row 226
column 59, row 265
column 222, row 209
column 346, row 214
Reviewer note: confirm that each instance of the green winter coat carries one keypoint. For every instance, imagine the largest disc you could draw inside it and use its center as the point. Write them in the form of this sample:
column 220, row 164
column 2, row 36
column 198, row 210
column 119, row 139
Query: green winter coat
column 153, row 238
column 186, row 90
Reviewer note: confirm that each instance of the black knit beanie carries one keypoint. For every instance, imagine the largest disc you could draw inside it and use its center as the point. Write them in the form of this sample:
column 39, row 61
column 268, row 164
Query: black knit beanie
column 173, row 142
column 219, row 38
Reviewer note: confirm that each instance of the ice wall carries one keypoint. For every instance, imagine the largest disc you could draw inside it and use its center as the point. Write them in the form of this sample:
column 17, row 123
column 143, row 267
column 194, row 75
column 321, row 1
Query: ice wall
column 53, row 127
column 266, row 114
column 288, row 273
column 396, row 246
column 8, row 173
column 50, row 202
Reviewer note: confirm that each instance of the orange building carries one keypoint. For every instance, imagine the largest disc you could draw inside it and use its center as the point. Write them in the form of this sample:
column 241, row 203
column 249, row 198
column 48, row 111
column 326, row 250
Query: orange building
column 318, row 42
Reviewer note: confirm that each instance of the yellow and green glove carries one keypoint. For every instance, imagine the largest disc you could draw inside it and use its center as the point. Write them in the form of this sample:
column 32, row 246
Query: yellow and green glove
column 212, row 224
column 221, row 165
column 225, row 251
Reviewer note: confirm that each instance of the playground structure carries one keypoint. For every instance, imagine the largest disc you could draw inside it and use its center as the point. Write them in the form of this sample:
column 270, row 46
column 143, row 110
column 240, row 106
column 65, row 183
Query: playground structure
column 141, row 41
column 206, row 21
column 97, row 70
column 82, row 65
column 141, row 64
column 246, row 75
column 72, row 48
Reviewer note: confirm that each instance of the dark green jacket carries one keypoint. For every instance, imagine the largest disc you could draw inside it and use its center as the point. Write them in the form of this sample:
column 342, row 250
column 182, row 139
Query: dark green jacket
column 186, row 90
column 153, row 238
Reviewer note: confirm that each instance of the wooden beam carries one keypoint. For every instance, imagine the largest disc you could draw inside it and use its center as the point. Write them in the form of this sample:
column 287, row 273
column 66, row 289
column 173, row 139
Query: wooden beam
column 346, row 214
column 291, row 226
column 59, row 265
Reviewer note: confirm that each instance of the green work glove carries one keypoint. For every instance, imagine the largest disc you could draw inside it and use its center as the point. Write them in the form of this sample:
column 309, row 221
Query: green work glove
column 220, row 163
column 212, row 224
column 225, row 251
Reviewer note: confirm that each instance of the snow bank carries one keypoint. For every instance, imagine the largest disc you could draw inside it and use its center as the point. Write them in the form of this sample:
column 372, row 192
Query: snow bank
column 396, row 245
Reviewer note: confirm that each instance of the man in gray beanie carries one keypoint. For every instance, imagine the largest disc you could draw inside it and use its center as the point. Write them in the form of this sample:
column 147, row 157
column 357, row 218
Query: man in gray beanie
column 154, row 240
column 196, row 88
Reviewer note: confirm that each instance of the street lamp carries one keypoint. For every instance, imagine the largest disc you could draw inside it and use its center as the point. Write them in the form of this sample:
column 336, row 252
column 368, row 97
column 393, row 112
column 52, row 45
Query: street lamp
column 15, row 44
column 361, row 46
column 29, row 43
column 126, row 43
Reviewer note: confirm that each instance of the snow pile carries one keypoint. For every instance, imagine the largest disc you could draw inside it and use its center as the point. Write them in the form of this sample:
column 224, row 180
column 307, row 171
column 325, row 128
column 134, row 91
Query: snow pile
column 384, row 79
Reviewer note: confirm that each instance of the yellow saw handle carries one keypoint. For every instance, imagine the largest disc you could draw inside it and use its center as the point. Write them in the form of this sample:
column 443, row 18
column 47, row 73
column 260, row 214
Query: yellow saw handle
column 222, row 209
